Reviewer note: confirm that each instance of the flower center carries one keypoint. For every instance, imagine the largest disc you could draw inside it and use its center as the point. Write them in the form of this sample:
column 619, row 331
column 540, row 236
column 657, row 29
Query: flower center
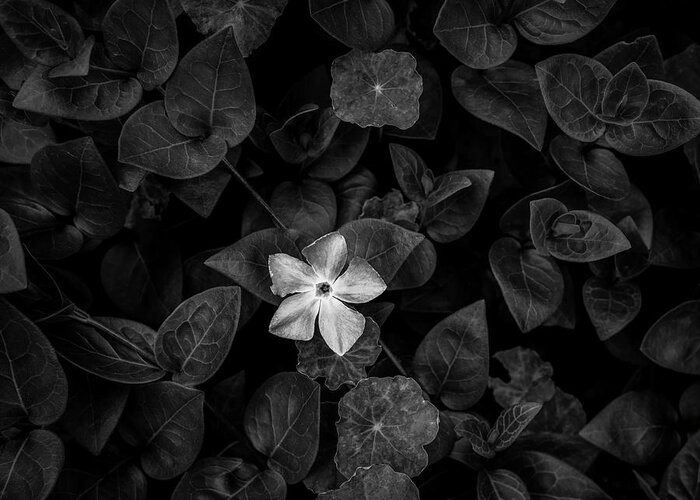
column 323, row 289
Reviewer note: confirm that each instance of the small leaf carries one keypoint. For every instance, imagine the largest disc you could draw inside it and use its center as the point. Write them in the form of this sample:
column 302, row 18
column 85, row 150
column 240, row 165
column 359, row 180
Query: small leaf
column 376, row 482
column 194, row 340
column 530, row 378
column 644, row 51
column 626, row 95
column 532, row 284
column 582, row 236
column 308, row 207
column 507, row 96
column 611, row 307
column 165, row 421
column 511, row 423
column 365, row 24
column 141, row 36
column 224, row 477
column 13, row 273
column 573, row 86
column 543, row 213
column 306, row 134
column 452, row 360
column 391, row 208
column 210, row 93
column 597, row 170
column 33, row 383
column 472, row 32
column 316, row 359
column 282, row 422
column 385, row 421
column 413, row 175
column 30, row 465
column 500, row 484
column 682, row 478
column 672, row 342
column 637, row 427
column 150, row 142
column 476, row 430
column 376, row 89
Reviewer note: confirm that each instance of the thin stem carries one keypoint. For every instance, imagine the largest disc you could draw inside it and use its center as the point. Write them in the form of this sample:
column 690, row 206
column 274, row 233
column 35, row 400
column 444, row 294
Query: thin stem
column 393, row 358
column 254, row 193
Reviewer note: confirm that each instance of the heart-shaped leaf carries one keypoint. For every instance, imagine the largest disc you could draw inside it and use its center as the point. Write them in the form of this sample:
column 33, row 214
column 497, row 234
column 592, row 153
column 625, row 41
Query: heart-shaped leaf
column 141, row 36
column 316, row 359
column 530, row 378
column 611, row 307
column 376, row 482
column 507, row 96
column 385, row 421
column 511, row 423
column 583, row 236
column 194, row 340
column 452, row 361
column 165, row 421
column 376, row 89
column 671, row 342
column 210, row 93
column 500, row 484
column 532, row 284
column 21, row 134
column 308, row 207
column 33, row 383
column 13, row 273
column 282, row 423
column 364, row 24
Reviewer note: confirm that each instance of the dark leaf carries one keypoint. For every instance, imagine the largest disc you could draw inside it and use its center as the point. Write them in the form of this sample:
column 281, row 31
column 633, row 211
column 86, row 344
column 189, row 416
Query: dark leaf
column 305, row 135
column 341, row 155
column 225, row 403
column 195, row 339
column 443, row 443
column 500, row 484
column 324, row 475
column 452, row 360
column 375, row 89
column 562, row 414
column 201, row 193
column 20, row 135
column 385, row 421
column 507, row 96
column 511, row 423
column 682, row 477
column 475, row 430
column 282, row 422
column 675, row 237
column 582, row 236
column 445, row 186
column 543, row 213
column 611, row 307
column 308, row 207
column 391, row 208
column 530, row 378
column 376, row 482
column 644, row 51
column 626, row 95
column 33, row 383
column 164, row 420
column 352, row 192
column 682, row 69
column 572, row 449
column 15, row 68
column 634, row 205
column 80, row 66
column 417, row 269
column 13, row 273
column 363, row 24
column 415, row 179
column 672, row 342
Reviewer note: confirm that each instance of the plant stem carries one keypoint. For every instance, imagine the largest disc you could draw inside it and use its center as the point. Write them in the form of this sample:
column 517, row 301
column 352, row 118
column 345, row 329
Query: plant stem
column 254, row 193
column 393, row 358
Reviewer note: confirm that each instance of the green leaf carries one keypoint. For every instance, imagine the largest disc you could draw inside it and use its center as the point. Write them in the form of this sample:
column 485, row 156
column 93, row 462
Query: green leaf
column 611, row 307
column 13, row 273
column 141, row 36
column 530, row 378
column 376, row 89
column 500, row 484
column 385, row 421
column 194, row 340
column 308, row 207
column 582, row 236
column 672, row 341
column 282, row 423
column 30, row 465
column 364, row 24
column 511, row 423
column 217, row 101
column 376, row 482
column 452, row 360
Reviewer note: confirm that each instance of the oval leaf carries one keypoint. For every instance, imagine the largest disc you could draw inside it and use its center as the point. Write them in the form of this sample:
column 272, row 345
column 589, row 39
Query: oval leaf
column 511, row 423
column 500, row 484
column 611, row 307
column 543, row 213
column 582, row 236
column 672, row 342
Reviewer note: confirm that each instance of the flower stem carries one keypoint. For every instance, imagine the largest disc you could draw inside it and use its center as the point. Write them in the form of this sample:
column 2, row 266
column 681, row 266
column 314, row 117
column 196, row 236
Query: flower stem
column 394, row 359
column 255, row 194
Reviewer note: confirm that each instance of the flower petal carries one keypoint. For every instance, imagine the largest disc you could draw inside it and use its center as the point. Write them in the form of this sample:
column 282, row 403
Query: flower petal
column 295, row 318
column 359, row 283
column 327, row 255
column 290, row 275
column 340, row 326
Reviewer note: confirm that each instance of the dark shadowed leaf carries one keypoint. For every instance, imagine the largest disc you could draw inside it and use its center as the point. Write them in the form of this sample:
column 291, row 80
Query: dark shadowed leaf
column 452, row 361
column 375, row 89
column 596, row 169
column 363, row 24
column 672, row 342
column 324, row 475
column 417, row 269
column 572, row 86
column 384, row 245
column 532, row 284
column 572, row 449
column 543, row 213
column 16, row 68
column 675, row 239
column 282, row 422
column 252, row 20
column 352, row 191
column 551, row 22
column 583, row 236
column 201, row 193
column 644, row 51
column 195, row 339
column 511, row 423
column 80, row 66
column 114, row 349
column 611, row 306
column 141, row 36
column 29, row 465
column 211, row 93
column 562, row 414
column 376, row 482
column 13, row 273
column 224, row 478
column 245, row 262
column 42, row 31
column 306, row 134
column 475, row 430
column 93, row 410
column 442, row 445
column 385, row 421
column 500, row 484
column 164, row 420
column 634, row 205
column 150, row 142
column 225, row 404
column 472, row 32
column 341, row 155
column 33, row 383
column 392, row 208
column 21, row 135
column 626, row 95
column 307, row 207
column 415, row 179
column 637, row 428
column 682, row 477
column 530, row 378
column 316, row 359
column 682, row 69
column 507, row 96
column 102, row 94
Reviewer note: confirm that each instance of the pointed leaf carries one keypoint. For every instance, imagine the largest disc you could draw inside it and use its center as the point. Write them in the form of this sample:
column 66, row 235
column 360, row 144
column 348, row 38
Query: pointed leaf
column 543, row 213
column 341, row 155
column 13, row 273
column 611, row 307
column 413, row 175
column 682, row 477
column 511, row 423
column 475, row 430
column 20, row 135
column 582, row 236
column 29, row 465
column 626, row 95
column 364, row 24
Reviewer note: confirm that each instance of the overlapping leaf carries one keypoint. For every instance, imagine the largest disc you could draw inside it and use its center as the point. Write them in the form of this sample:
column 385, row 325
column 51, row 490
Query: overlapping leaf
column 671, row 341
column 363, row 24
column 376, row 482
column 13, row 273
column 611, row 307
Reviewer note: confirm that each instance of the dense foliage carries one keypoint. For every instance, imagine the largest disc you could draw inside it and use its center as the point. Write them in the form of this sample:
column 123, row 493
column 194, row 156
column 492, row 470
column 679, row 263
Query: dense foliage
column 478, row 220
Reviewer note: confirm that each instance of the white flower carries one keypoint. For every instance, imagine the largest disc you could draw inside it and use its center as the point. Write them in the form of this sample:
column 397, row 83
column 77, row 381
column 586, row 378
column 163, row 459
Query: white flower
column 319, row 290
